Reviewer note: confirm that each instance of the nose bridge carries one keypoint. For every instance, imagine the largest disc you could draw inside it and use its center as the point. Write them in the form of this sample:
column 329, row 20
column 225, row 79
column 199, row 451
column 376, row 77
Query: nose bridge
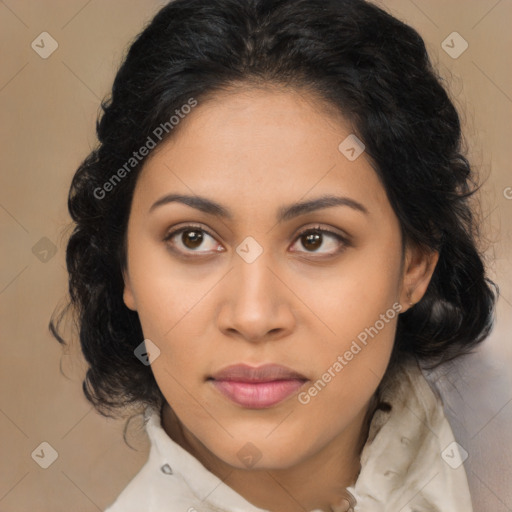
column 256, row 284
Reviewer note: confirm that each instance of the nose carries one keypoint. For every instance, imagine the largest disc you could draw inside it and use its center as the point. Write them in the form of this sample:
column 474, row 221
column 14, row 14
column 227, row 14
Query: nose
column 257, row 303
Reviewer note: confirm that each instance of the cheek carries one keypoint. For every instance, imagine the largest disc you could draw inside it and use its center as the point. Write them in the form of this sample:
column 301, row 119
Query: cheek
column 363, row 288
column 176, row 313
column 360, row 306
column 170, row 295
column 350, row 371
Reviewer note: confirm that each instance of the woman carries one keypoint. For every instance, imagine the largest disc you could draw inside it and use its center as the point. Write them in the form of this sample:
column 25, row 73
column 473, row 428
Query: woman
column 272, row 236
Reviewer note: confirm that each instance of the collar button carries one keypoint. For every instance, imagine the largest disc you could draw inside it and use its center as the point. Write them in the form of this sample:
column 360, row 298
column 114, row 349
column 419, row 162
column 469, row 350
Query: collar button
column 166, row 469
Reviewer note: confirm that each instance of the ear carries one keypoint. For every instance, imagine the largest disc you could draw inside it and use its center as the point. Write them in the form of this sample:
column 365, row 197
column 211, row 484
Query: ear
column 419, row 265
column 128, row 296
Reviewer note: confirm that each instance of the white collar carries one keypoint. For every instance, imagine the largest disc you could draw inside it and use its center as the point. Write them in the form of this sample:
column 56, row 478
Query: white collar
column 411, row 462
column 407, row 464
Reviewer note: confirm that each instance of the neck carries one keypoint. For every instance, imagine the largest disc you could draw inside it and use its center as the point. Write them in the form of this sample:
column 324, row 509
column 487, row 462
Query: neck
column 317, row 482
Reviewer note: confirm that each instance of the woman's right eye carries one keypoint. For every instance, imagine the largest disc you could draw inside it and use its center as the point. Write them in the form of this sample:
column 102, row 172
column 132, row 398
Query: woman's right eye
column 189, row 239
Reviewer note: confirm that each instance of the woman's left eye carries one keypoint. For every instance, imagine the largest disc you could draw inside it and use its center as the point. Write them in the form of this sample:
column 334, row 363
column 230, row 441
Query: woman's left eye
column 313, row 239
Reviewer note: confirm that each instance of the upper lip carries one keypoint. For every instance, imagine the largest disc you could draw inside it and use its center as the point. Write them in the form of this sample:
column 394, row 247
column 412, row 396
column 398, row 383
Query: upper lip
column 264, row 373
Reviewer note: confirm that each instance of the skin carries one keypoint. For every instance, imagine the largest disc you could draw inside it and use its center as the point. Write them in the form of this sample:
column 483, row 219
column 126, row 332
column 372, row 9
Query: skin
column 255, row 151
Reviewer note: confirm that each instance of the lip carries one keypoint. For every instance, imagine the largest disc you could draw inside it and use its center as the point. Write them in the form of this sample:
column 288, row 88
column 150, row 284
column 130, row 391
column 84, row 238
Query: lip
column 257, row 387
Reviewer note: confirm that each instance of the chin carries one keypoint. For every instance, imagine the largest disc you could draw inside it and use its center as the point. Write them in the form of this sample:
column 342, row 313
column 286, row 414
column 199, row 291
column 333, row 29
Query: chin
column 267, row 460
column 259, row 452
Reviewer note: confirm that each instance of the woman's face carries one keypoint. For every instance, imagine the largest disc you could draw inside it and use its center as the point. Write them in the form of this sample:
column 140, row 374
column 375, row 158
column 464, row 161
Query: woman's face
column 250, row 282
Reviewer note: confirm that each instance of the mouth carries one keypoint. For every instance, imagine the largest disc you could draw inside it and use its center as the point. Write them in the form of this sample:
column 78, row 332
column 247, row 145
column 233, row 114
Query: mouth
column 257, row 387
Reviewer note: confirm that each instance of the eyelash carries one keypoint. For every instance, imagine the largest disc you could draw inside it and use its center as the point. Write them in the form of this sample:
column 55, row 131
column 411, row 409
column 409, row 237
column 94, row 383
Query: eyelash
column 315, row 229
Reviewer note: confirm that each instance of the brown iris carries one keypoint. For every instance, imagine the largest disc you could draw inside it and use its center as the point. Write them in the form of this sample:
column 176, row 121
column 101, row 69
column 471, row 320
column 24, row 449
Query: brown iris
column 312, row 240
column 192, row 238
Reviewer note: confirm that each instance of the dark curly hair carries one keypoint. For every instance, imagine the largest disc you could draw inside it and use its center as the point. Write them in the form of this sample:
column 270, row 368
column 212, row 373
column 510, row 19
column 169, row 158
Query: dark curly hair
column 354, row 57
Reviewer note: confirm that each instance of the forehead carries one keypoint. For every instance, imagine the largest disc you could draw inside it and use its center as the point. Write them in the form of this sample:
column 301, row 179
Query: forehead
column 260, row 146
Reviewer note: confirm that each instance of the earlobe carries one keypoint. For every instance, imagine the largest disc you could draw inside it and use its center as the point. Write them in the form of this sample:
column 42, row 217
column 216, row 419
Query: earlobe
column 128, row 298
column 419, row 267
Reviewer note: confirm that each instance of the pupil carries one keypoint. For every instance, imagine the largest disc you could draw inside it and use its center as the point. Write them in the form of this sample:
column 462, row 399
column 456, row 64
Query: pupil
column 313, row 239
column 192, row 239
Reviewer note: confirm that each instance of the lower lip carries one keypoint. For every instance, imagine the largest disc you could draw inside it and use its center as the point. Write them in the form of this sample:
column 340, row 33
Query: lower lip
column 258, row 395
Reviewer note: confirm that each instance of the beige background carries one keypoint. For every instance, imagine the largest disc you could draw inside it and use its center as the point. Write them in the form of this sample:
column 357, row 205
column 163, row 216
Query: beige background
column 49, row 107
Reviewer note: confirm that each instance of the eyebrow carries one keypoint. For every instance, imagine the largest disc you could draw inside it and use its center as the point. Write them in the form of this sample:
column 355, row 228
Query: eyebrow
column 284, row 213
